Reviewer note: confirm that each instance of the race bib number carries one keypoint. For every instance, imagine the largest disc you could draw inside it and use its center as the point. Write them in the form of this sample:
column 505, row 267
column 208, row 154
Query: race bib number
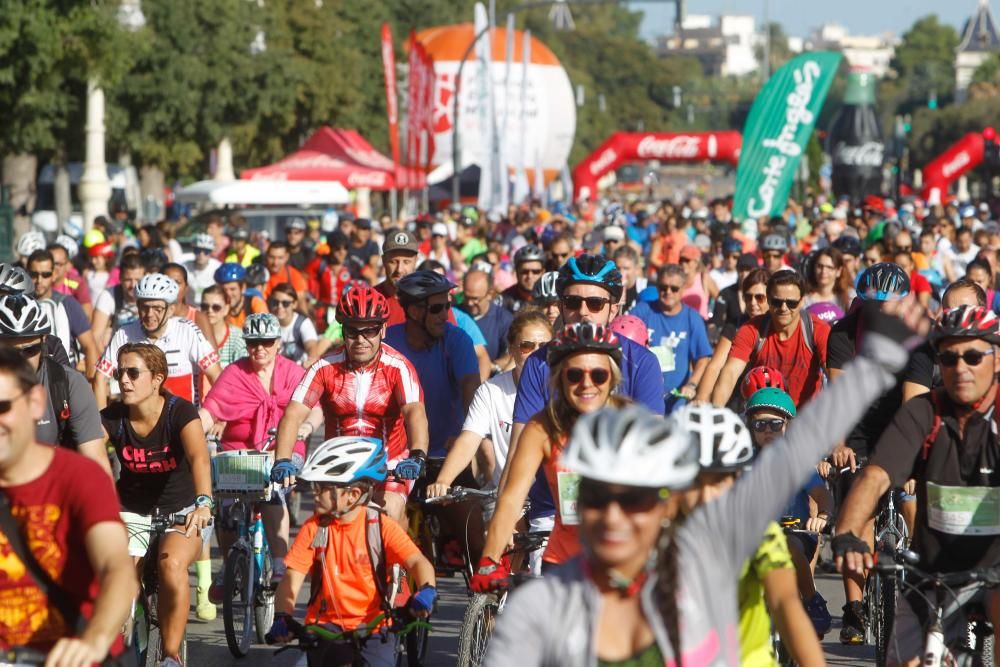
column 569, row 492
column 665, row 355
column 963, row 510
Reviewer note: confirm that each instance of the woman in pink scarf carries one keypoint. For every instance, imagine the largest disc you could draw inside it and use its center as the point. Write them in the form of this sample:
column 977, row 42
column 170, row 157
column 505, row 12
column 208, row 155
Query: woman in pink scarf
column 249, row 398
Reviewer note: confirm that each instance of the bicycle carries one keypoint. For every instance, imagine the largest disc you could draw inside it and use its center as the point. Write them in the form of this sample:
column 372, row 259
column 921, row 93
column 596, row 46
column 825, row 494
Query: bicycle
column 975, row 648
column 243, row 477
column 879, row 597
column 484, row 608
column 142, row 629
column 311, row 638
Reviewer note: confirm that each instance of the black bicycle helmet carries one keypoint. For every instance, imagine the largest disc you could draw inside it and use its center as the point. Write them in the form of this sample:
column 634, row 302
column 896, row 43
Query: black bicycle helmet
column 774, row 242
column 21, row 315
column 420, row 286
column 528, row 253
column 584, row 337
column 883, row 282
column 592, row 270
column 967, row 322
column 849, row 245
column 153, row 259
column 15, row 280
column 257, row 274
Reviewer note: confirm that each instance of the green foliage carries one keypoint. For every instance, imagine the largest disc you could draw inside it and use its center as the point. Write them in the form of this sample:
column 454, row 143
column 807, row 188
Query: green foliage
column 934, row 131
column 925, row 63
column 988, row 71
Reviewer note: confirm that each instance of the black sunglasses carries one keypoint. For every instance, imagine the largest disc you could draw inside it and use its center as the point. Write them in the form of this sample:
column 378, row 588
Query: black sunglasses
column 792, row 304
column 274, row 303
column 595, row 304
column 663, row 289
column 597, row 375
column 6, row 405
column 367, row 332
column 213, row 307
column 30, row 351
column 261, row 342
column 437, row 307
column 534, row 272
column 764, row 425
column 132, row 373
column 594, row 495
column 40, row 274
column 950, row 359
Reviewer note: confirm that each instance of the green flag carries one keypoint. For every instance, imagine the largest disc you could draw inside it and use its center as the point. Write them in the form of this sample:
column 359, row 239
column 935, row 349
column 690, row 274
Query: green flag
column 776, row 132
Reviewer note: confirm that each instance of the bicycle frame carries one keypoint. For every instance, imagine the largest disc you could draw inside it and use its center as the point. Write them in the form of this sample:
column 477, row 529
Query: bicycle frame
column 250, row 535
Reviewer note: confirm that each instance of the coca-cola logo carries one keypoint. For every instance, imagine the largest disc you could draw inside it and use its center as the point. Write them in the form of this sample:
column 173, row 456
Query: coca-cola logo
column 603, row 161
column 956, row 164
column 868, row 154
column 681, row 147
column 373, row 179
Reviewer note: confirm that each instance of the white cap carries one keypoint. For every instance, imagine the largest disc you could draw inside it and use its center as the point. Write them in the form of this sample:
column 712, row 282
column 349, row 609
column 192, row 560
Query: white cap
column 439, row 229
column 613, row 233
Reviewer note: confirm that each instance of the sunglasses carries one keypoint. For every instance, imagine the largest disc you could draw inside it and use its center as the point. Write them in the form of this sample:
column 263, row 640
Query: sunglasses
column 6, row 405
column 970, row 357
column 595, row 304
column 437, row 308
column 212, row 307
column 30, row 351
column 773, row 255
column 280, row 303
column 663, row 289
column 904, row 248
column 759, row 298
column 791, row 304
column 356, row 333
column 40, row 274
column 533, row 272
column 765, row 425
column 261, row 342
column 599, row 376
column 132, row 373
column 598, row 497
column 526, row 346
column 202, row 251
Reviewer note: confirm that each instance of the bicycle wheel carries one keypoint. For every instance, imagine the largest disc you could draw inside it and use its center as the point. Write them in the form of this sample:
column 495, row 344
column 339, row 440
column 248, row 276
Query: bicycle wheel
column 263, row 601
column 886, row 616
column 477, row 626
column 150, row 654
column 237, row 603
column 416, row 646
column 873, row 614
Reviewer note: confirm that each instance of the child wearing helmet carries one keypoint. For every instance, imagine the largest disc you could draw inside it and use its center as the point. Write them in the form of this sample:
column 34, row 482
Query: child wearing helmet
column 341, row 474
column 768, row 413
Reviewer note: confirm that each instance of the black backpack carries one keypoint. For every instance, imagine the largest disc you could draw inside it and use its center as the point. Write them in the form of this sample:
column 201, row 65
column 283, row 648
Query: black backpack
column 58, row 384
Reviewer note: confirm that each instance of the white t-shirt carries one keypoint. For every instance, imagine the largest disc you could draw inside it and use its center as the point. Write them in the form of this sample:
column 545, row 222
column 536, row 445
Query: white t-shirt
column 723, row 279
column 294, row 348
column 491, row 415
column 200, row 279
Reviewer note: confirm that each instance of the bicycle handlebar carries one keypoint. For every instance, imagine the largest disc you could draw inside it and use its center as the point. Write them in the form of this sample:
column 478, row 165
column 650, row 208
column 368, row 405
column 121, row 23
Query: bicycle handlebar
column 460, row 493
column 401, row 622
column 905, row 560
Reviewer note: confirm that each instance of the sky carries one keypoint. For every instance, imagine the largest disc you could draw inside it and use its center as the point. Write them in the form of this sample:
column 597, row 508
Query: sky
column 799, row 17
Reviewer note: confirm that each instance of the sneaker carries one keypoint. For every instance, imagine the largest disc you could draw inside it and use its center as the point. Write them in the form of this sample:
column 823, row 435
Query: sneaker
column 819, row 614
column 172, row 661
column 216, row 592
column 853, row 631
column 205, row 608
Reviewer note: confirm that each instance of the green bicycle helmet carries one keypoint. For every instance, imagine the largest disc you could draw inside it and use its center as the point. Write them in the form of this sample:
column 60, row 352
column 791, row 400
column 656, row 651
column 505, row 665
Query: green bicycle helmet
column 772, row 399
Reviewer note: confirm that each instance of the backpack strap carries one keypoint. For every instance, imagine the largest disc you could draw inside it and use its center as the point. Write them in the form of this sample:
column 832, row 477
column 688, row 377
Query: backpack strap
column 119, row 295
column 807, row 332
column 297, row 330
column 58, row 385
column 376, row 553
column 932, row 435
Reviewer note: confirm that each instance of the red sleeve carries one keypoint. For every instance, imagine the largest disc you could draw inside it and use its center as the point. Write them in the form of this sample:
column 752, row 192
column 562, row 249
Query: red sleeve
column 300, row 555
column 743, row 343
column 821, row 336
column 920, row 284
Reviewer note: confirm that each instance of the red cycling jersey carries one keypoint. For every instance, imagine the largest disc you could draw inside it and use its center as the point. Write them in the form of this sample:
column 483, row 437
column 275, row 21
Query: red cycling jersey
column 364, row 401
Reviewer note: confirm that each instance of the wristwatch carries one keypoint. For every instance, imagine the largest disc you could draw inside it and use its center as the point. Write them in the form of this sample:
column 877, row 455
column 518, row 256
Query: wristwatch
column 204, row 501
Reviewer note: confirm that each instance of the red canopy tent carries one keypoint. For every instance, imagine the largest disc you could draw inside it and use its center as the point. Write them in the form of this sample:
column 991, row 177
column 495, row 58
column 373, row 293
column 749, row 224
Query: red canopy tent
column 339, row 155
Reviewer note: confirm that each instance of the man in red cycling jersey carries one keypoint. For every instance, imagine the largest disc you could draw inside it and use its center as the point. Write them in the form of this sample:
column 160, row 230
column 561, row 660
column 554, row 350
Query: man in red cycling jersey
column 366, row 388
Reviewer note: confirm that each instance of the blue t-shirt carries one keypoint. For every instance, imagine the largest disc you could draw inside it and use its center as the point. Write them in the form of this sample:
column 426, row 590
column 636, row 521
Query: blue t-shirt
column 440, row 368
column 494, row 325
column 641, row 381
column 799, row 504
column 678, row 341
column 468, row 325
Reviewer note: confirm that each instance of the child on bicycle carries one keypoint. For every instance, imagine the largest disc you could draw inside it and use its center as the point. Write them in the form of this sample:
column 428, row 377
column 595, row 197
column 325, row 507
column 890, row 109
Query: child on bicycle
column 333, row 547
column 768, row 413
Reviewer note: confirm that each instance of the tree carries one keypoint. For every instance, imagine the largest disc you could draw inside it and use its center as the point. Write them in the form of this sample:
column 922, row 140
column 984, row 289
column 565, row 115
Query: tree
column 988, row 71
column 925, row 63
column 778, row 50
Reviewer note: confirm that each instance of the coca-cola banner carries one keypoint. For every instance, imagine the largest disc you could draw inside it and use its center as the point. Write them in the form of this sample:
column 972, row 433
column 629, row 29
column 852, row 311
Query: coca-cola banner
column 855, row 140
column 391, row 107
column 942, row 171
column 420, row 107
column 622, row 147
column 779, row 125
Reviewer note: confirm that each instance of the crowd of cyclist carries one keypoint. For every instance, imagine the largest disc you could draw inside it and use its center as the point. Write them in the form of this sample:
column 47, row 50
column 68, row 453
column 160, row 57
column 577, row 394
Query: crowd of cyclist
column 652, row 386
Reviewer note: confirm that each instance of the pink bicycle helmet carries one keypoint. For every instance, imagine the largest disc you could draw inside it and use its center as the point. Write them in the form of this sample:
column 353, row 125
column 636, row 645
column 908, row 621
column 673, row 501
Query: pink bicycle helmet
column 632, row 328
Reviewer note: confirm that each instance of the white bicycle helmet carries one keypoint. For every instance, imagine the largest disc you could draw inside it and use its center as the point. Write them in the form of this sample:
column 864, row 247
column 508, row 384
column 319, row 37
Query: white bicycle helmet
column 69, row 244
column 30, row 242
column 21, row 315
column 261, row 326
column 157, row 286
column 346, row 460
column 545, row 287
column 632, row 447
column 204, row 242
column 15, row 280
column 723, row 438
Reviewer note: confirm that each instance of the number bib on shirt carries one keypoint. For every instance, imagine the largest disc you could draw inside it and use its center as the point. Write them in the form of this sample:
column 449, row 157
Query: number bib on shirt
column 963, row 510
column 569, row 491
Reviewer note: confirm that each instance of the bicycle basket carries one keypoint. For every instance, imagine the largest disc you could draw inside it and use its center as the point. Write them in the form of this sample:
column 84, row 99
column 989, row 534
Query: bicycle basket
column 242, row 471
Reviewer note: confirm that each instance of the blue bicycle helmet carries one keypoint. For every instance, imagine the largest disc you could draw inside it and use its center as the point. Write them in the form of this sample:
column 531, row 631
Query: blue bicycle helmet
column 732, row 246
column 230, row 272
column 592, row 270
column 346, row 460
column 883, row 282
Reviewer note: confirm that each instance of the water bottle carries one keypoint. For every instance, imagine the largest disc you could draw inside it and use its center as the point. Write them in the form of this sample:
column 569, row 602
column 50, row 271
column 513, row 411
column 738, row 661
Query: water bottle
column 258, row 534
column 855, row 141
column 934, row 648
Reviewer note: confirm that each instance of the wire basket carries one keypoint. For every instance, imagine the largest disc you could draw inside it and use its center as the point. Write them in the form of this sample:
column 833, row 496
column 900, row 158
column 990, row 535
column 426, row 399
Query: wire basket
column 242, row 471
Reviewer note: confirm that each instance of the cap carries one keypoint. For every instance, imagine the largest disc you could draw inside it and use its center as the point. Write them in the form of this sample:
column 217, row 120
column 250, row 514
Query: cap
column 690, row 252
column 984, row 207
column 240, row 234
column 296, row 223
column 968, row 212
column 363, row 223
column 613, row 233
column 702, row 242
column 494, row 217
column 747, row 262
column 839, row 214
column 399, row 240
column 992, row 227
column 439, row 229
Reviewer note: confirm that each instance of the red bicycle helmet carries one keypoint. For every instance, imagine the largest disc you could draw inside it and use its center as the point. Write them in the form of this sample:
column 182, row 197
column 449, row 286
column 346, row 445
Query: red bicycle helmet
column 361, row 303
column 584, row 337
column 761, row 377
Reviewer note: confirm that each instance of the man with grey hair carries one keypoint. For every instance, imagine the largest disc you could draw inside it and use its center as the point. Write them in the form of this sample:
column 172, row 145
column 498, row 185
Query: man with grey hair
column 678, row 337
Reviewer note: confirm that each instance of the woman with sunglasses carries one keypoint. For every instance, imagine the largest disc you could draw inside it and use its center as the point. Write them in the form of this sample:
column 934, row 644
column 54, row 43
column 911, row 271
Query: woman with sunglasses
column 229, row 337
column 674, row 601
column 165, row 467
column 699, row 288
column 299, row 338
column 584, row 359
column 753, row 299
column 828, row 280
column 247, row 401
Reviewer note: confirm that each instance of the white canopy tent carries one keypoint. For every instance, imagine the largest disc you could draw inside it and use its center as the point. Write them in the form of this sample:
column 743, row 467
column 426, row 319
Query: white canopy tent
column 263, row 193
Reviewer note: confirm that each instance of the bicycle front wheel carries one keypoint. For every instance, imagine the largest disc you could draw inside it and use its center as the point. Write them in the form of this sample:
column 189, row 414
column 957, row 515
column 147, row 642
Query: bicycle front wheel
column 263, row 601
column 477, row 627
column 237, row 604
